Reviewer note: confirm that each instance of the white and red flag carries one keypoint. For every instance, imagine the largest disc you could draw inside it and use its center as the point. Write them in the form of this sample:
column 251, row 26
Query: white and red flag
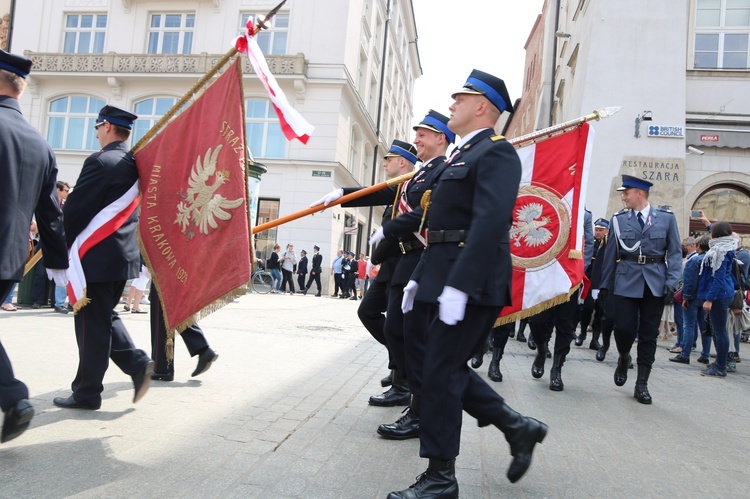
column 546, row 238
column 292, row 123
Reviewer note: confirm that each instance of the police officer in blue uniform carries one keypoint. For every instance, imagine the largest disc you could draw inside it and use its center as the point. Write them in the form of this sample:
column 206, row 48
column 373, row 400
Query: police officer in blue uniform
column 315, row 270
column 105, row 177
column 470, row 214
column 406, row 238
column 29, row 174
column 642, row 265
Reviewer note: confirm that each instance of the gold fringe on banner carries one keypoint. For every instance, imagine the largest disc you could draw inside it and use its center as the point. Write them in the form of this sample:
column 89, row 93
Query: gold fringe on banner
column 539, row 307
column 85, row 300
column 575, row 254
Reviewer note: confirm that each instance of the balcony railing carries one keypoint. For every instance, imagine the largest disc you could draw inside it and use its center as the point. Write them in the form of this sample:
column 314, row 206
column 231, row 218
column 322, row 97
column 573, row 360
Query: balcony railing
column 49, row 62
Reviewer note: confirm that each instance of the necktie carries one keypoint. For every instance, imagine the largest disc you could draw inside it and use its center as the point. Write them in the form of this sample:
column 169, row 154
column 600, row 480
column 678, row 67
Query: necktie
column 640, row 220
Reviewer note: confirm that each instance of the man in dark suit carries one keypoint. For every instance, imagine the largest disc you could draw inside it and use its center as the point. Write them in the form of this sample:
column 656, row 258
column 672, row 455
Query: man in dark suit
column 315, row 269
column 642, row 266
column 470, row 214
column 405, row 332
column 106, row 178
column 29, row 174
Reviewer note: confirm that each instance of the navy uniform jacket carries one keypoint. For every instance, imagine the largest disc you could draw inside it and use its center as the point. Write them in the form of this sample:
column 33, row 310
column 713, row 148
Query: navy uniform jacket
column 302, row 265
column 476, row 192
column 29, row 173
column 105, row 177
column 317, row 261
column 660, row 238
column 597, row 262
column 381, row 197
column 403, row 227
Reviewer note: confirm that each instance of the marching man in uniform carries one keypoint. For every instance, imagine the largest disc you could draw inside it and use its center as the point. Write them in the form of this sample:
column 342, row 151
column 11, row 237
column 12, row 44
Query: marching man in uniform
column 642, row 265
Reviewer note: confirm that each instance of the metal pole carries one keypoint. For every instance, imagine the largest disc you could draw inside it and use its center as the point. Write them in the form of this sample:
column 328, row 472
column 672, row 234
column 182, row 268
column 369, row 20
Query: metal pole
column 554, row 63
column 11, row 22
column 380, row 111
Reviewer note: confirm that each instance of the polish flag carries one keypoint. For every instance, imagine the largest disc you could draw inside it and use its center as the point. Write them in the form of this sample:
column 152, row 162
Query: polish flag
column 292, row 123
column 546, row 237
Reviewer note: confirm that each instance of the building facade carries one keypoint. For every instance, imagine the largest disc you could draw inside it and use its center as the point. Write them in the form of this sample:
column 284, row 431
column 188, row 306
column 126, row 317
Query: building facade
column 679, row 69
column 342, row 64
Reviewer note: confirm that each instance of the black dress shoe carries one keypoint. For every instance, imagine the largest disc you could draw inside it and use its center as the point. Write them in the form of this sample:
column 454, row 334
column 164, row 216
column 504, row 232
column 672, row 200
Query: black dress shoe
column 205, row 360
column 36, row 305
column 477, row 360
column 318, row 295
column 61, row 310
column 17, row 420
column 520, row 336
column 621, row 371
column 162, row 376
column 391, row 397
column 537, row 367
column 407, row 426
column 142, row 380
column 594, row 345
column 679, row 359
column 580, row 339
column 522, row 443
column 555, row 380
column 72, row 403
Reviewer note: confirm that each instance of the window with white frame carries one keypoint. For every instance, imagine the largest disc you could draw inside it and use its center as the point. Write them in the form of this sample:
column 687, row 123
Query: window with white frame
column 71, row 123
column 272, row 41
column 171, row 33
column 149, row 112
column 264, row 135
column 722, row 34
column 84, row 33
column 354, row 150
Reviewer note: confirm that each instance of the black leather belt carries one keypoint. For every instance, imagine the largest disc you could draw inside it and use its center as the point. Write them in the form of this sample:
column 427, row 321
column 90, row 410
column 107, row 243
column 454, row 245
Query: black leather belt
column 447, row 236
column 410, row 245
column 641, row 259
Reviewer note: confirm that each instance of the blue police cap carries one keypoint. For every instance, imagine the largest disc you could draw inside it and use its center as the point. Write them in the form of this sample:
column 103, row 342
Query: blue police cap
column 437, row 123
column 403, row 149
column 116, row 116
column 631, row 182
column 316, row 247
column 492, row 87
column 602, row 223
column 15, row 64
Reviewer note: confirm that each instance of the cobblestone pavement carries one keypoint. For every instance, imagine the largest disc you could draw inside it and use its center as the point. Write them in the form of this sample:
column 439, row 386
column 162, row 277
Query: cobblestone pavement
column 283, row 413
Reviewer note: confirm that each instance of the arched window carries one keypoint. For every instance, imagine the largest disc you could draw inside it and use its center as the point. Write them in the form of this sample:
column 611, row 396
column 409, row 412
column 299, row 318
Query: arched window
column 727, row 202
column 150, row 111
column 71, row 123
column 264, row 135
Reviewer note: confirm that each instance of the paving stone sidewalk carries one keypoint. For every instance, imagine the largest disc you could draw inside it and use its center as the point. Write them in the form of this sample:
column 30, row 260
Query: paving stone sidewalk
column 283, row 414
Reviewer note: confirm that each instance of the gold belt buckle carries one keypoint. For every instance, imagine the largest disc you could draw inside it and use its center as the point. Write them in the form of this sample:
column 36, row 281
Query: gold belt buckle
column 641, row 259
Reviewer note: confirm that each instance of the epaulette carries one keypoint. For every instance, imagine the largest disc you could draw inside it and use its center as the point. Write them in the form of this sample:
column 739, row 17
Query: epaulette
column 665, row 210
column 495, row 138
column 624, row 210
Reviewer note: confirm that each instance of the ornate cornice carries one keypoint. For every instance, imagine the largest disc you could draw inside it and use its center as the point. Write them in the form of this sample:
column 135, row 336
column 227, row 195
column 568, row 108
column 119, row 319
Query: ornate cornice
column 123, row 64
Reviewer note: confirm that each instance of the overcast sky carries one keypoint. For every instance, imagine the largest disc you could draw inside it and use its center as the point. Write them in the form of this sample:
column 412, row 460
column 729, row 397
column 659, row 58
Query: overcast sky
column 456, row 36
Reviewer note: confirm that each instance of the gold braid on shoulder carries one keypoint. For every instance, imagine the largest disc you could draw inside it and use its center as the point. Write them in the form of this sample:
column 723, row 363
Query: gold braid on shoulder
column 425, row 204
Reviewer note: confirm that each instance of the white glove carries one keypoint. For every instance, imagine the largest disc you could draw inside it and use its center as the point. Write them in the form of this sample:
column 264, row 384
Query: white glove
column 452, row 305
column 329, row 198
column 377, row 237
column 594, row 294
column 59, row 276
column 410, row 290
column 368, row 268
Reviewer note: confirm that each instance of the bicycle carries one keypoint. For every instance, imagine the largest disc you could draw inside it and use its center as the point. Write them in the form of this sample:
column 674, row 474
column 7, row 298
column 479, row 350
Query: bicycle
column 262, row 281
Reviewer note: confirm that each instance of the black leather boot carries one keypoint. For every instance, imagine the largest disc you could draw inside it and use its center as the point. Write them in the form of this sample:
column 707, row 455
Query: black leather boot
column 478, row 359
column 594, row 345
column 407, row 426
column 537, row 368
column 387, row 380
column 549, row 352
column 580, row 338
column 641, row 385
column 522, row 434
column 621, row 371
column 397, row 394
column 602, row 353
column 555, row 374
column 531, row 343
column 438, row 482
column 494, row 370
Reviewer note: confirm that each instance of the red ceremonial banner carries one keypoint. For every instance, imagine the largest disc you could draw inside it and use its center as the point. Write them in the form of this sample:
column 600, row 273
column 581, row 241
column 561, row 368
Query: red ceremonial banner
column 546, row 238
column 194, row 230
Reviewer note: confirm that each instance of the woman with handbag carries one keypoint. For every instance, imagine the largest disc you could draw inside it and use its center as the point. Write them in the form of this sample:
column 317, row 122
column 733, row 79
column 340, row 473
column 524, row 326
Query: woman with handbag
column 693, row 315
column 716, row 288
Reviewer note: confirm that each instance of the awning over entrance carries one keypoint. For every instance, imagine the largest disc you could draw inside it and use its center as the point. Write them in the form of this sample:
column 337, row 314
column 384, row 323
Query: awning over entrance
column 717, row 136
